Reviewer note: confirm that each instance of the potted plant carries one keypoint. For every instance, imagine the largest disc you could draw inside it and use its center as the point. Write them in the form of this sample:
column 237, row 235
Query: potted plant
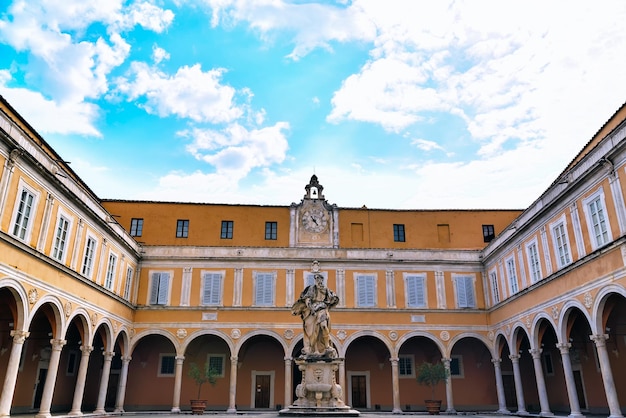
column 200, row 375
column 431, row 374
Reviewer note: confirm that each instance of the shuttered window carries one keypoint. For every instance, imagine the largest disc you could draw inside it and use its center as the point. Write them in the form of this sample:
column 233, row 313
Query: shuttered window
column 211, row 288
column 60, row 239
column 465, row 292
column 160, row 287
column 264, row 289
column 23, row 215
column 366, row 290
column 416, row 291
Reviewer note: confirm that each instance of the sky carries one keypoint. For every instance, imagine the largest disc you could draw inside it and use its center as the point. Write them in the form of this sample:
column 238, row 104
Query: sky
column 412, row 104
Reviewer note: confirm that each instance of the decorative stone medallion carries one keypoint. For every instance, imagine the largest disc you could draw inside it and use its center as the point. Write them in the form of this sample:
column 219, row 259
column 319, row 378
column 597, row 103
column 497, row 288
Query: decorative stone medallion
column 555, row 312
column 94, row 319
column 341, row 334
column 491, row 335
column 181, row 333
column 288, row 334
column 528, row 322
column 235, row 333
column 393, row 336
column 67, row 309
column 33, row 295
column 588, row 300
column 445, row 335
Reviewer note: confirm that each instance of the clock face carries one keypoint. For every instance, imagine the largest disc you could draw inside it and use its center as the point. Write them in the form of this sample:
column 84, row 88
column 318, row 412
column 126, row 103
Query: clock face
column 313, row 220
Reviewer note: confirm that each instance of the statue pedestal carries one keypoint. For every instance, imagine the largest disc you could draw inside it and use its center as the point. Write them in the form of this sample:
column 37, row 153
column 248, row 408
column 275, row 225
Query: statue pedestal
column 319, row 393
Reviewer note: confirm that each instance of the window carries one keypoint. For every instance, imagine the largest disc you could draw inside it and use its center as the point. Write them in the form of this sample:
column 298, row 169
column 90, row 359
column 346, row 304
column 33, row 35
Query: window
column 72, row 363
column 464, row 286
column 456, row 366
column 398, row 232
column 533, row 262
column 136, row 227
column 108, row 282
column 216, row 363
column 129, row 281
column 405, row 365
column 512, row 274
column 495, row 291
column 90, row 247
column 182, row 228
column 366, row 290
column 271, row 230
column 415, row 291
column 548, row 367
column 227, row 230
column 597, row 220
column 167, row 364
column 264, row 289
column 160, row 288
column 23, row 213
column 60, row 239
column 211, row 288
column 562, row 248
column 488, row 233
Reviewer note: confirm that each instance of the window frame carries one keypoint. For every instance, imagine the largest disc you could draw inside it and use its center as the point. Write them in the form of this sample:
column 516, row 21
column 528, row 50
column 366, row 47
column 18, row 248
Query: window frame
column 182, row 228
column 109, row 278
column 89, row 256
column 511, row 275
column 160, row 369
column 534, row 261
column 60, row 241
column 399, row 233
column 271, row 277
column 420, row 282
column 219, row 275
column 459, row 360
column 456, row 279
column 32, row 212
column 221, row 372
column 227, row 230
column 271, row 230
column 598, row 199
column 494, row 285
column 168, row 288
column 561, row 235
column 489, row 233
column 136, row 227
column 411, row 360
column 128, row 284
column 360, row 278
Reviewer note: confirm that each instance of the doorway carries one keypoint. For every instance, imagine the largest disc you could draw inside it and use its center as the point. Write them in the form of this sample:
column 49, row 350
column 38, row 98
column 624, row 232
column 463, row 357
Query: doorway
column 358, row 389
column 262, row 390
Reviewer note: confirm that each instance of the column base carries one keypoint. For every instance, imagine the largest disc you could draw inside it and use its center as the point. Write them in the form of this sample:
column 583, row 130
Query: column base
column 576, row 415
column 522, row 412
column 75, row 413
column 119, row 410
column 43, row 415
column 616, row 416
column 503, row 411
column 396, row 411
column 546, row 414
column 100, row 412
column 175, row 410
column 231, row 411
column 451, row 411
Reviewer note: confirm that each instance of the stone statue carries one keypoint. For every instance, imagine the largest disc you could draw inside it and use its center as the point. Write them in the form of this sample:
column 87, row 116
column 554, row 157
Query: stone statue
column 313, row 306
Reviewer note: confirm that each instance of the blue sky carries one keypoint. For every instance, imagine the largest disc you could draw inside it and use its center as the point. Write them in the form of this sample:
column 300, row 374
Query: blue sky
column 393, row 104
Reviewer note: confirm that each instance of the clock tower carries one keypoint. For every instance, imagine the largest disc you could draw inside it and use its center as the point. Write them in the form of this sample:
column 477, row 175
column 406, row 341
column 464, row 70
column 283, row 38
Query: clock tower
column 314, row 220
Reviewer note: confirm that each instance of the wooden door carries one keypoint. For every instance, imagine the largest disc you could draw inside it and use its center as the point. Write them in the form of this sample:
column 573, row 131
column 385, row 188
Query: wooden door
column 359, row 391
column 262, row 395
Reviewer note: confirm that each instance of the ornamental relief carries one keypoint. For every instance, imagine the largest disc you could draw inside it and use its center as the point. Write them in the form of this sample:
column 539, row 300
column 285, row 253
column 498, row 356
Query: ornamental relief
column 67, row 309
column 33, row 295
column 588, row 300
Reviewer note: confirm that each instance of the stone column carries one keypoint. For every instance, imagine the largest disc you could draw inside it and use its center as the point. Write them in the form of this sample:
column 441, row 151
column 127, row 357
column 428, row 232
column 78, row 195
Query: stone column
column 232, row 409
column 499, row 386
column 288, row 381
column 104, row 382
column 395, row 385
column 121, row 387
column 7, row 173
column 178, row 381
column 79, row 389
column 519, row 390
column 342, row 380
column 607, row 375
column 10, row 378
column 541, row 383
column 569, row 380
column 449, row 399
column 51, row 377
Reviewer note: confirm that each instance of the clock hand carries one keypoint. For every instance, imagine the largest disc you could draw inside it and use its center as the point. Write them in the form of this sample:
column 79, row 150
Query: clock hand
column 314, row 221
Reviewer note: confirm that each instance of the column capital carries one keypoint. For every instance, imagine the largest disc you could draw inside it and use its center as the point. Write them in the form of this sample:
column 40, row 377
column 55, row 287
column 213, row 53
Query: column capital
column 496, row 361
column 19, row 336
column 563, row 347
column 126, row 359
column 446, row 361
column 179, row 359
column 514, row 358
column 86, row 349
column 394, row 360
column 234, row 359
column 108, row 355
column 599, row 339
column 287, row 358
column 535, row 352
column 57, row 345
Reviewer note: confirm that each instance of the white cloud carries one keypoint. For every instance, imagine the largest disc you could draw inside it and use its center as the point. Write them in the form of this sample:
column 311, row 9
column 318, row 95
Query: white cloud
column 190, row 93
column 48, row 116
column 159, row 54
column 426, row 145
column 237, row 150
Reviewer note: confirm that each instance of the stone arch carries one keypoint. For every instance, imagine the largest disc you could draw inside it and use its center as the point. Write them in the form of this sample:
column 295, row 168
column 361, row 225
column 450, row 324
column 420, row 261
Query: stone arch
column 293, row 343
column 81, row 316
column 57, row 323
column 516, row 338
column 474, row 335
column 185, row 344
column 21, row 304
column 535, row 329
column 500, row 342
column 364, row 333
column 123, row 339
column 267, row 333
column 146, row 333
column 598, row 321
column 107, row 334
column 564, row 316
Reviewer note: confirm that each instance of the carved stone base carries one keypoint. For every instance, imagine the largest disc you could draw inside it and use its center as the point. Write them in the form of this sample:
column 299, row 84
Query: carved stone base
column 319, row 393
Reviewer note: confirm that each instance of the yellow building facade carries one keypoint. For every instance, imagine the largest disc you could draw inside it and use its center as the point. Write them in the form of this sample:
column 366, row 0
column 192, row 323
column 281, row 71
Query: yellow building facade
column 105, row 304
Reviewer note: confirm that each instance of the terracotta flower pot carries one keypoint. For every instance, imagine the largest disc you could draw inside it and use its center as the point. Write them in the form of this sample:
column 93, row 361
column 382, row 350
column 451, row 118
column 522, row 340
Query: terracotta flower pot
column 198, row 406
column 433, row 407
